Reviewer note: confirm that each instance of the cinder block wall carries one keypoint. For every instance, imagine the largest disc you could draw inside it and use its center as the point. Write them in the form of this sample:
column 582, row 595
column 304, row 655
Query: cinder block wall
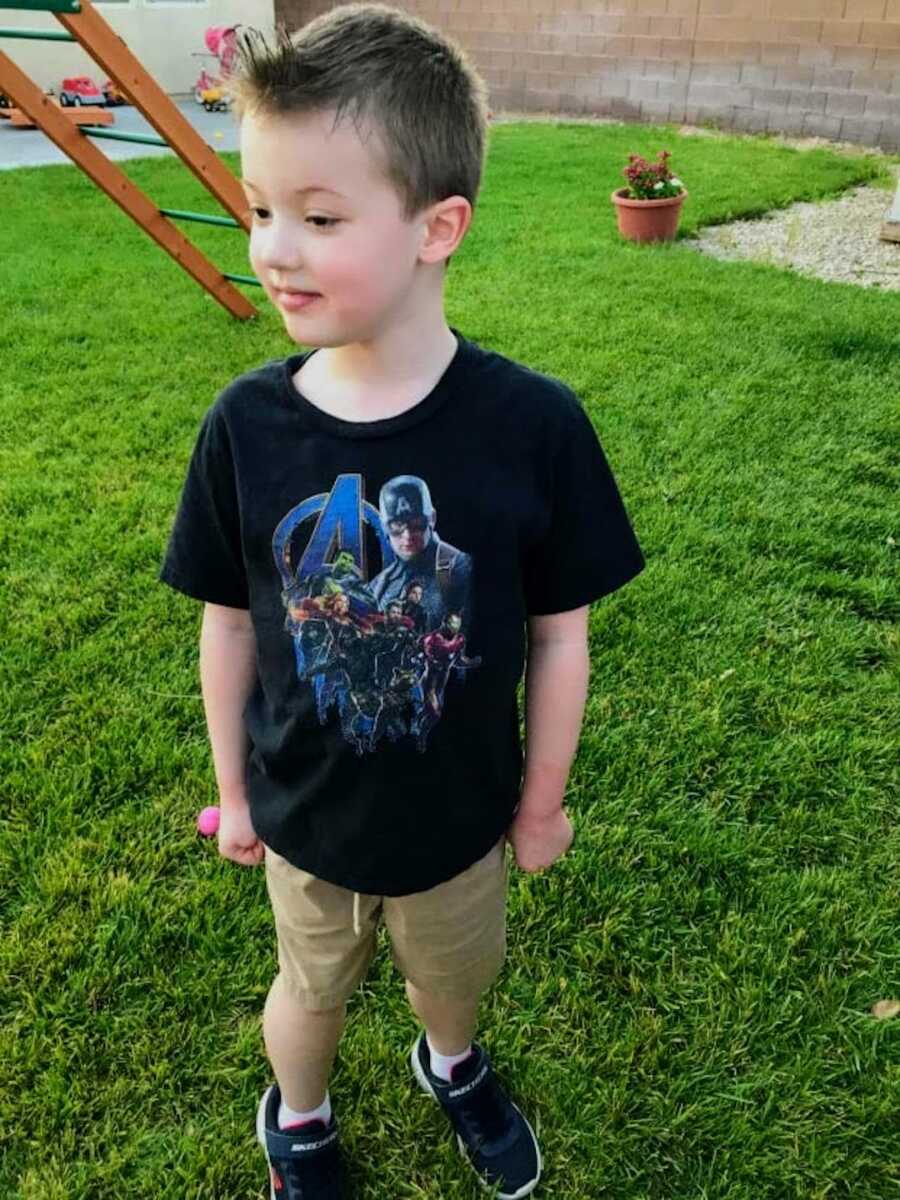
column 827, row 68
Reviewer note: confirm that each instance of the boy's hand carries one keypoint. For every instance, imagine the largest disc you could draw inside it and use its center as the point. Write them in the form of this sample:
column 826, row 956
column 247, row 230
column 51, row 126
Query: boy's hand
column 237, row 837
column 539, row 841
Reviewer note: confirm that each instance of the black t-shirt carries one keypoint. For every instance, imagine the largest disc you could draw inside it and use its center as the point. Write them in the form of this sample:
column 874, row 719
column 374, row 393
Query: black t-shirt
column 389, row 567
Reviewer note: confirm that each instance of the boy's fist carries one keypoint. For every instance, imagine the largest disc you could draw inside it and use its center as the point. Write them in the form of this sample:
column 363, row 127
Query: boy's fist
column 540, row 841
column 237, row 837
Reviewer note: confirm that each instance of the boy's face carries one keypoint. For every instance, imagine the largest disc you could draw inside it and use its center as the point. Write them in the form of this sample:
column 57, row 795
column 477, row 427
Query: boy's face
column 346, row 241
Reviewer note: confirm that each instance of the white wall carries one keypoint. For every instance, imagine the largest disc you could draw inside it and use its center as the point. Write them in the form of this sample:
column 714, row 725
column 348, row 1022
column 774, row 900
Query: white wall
column 161, row 33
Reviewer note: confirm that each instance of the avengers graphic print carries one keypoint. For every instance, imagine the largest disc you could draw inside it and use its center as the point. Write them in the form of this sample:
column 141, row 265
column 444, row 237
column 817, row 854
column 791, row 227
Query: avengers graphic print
column 379, row 648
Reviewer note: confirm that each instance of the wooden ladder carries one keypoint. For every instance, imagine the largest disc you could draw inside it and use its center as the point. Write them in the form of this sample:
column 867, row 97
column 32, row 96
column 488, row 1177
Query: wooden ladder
column 82, row 23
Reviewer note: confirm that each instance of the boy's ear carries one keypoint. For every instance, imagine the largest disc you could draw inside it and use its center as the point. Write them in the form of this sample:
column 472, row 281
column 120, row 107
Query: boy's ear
column 445, row 225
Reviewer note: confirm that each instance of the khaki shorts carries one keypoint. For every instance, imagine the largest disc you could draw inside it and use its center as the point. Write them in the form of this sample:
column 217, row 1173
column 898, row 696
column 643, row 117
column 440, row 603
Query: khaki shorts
column 449, row 941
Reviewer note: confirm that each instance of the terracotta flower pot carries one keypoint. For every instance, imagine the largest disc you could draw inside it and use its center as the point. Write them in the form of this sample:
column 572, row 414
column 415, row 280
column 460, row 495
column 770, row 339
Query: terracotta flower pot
column 648, row 220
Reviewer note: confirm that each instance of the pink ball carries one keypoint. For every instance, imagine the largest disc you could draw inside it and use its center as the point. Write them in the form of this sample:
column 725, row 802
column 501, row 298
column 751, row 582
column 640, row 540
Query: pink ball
column 208, row 821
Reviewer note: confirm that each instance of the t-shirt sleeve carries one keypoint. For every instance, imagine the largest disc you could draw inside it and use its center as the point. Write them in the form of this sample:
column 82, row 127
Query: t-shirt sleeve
column 204, row 558
column 589, row 548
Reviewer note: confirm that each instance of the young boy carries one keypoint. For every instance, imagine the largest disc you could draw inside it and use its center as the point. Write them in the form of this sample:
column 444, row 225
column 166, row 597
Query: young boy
column 372, row 525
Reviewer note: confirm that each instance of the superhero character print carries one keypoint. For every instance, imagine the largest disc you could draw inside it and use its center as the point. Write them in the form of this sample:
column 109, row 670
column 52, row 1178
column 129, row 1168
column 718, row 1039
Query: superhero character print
column 380, row 650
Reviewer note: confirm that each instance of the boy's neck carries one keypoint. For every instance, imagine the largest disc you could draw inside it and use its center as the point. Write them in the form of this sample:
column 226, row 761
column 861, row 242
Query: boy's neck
column 370, row 381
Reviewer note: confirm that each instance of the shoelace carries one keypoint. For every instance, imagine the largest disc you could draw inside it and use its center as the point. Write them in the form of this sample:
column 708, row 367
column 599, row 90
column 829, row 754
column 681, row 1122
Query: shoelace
column 317, row 1177
column 485, row 1113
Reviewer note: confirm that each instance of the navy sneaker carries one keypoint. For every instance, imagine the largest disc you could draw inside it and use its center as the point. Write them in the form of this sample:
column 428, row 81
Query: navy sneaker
column 304, row 1162
column 491, row 1132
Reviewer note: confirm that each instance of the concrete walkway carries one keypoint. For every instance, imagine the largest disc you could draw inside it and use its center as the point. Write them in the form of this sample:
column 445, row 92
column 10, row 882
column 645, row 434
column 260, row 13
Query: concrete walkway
column 32, row 147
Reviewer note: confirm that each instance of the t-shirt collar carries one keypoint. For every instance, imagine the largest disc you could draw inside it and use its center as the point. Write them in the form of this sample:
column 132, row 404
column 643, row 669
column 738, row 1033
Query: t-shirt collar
column 421, row 411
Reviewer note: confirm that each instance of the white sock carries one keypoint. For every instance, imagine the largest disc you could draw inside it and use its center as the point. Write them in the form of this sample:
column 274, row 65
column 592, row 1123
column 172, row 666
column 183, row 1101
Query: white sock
column 442, row 1064
column 289, row 1116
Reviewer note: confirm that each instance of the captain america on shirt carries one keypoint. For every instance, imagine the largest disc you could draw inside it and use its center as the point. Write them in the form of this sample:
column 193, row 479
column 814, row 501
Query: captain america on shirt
column 444, row 572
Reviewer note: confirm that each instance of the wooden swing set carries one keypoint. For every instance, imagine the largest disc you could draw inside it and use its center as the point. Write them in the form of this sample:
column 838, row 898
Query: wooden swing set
column 82, row 23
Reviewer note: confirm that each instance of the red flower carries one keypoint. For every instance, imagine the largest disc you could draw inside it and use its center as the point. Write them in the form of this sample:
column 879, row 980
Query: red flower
column 645, row 177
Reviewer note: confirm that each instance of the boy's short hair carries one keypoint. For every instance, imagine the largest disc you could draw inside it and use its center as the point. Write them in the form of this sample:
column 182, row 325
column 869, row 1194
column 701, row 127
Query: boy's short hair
column 388, row 70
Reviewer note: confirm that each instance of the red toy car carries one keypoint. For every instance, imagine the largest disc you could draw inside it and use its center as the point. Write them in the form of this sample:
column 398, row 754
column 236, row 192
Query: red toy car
column 80, row 89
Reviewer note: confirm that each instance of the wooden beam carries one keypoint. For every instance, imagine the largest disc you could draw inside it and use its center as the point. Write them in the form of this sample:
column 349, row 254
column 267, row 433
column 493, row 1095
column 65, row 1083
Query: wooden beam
column 78, row 115
column 46, row 114
column 890, row 229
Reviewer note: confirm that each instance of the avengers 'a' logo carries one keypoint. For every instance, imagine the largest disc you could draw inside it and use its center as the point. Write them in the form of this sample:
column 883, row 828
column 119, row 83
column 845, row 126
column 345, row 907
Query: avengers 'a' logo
column 341, row 517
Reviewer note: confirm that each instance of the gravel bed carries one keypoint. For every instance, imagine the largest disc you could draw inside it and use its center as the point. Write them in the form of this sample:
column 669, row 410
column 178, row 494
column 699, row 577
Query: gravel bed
column 836, row 240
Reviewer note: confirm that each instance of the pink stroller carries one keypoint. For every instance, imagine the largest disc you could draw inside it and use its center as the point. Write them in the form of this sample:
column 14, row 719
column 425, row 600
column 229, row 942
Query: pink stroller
column 220, row 42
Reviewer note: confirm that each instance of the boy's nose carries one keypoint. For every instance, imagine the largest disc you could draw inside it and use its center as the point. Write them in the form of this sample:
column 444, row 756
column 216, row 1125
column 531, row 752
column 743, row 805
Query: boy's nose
column 282, row 269
column 278, row 252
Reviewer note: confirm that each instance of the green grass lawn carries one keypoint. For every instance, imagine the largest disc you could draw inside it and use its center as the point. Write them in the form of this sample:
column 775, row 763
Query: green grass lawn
column 685, row 1012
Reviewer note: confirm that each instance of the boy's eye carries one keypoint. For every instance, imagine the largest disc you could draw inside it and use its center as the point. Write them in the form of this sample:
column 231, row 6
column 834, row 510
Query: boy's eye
column 263, row 214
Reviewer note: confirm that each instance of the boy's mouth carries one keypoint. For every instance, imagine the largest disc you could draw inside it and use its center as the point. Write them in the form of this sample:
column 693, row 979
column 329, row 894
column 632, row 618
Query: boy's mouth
column 294, row 300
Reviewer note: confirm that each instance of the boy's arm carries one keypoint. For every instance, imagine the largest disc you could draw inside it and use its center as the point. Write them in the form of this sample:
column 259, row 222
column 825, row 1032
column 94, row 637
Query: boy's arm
column 556, row 679
column 227, row 677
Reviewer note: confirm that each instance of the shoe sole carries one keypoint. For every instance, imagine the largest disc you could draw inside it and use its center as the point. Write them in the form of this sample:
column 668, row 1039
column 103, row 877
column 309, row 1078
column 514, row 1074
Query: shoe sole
column 529, row 1187
column 261, row 1138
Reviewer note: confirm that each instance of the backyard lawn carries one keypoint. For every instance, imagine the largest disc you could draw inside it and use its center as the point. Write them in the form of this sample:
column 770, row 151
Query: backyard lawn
column 686, row 1009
